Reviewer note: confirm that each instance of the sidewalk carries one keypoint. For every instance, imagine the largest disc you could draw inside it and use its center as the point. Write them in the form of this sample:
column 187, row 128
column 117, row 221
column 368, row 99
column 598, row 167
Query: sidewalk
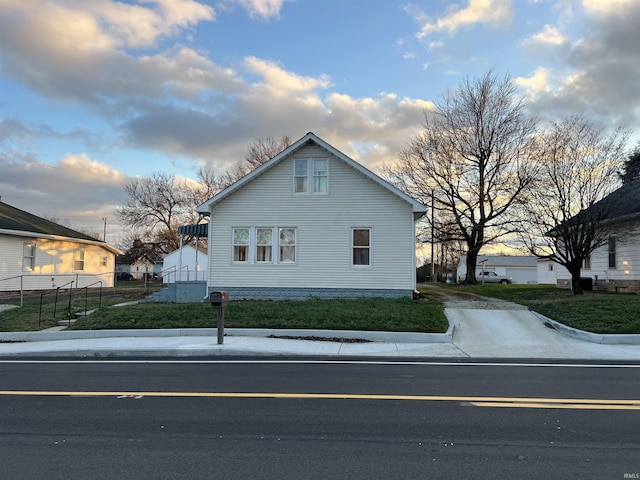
column 481, row 328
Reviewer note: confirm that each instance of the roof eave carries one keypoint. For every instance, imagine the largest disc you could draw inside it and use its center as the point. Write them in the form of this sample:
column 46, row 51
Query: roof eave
column 98, row 243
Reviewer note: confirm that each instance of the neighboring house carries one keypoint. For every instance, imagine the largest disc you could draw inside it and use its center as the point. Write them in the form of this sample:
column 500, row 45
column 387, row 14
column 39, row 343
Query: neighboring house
column 184, row 265
column 37, row 254
column 521, row 268
column 139, row 267
column 312, row 222
column 616, row 265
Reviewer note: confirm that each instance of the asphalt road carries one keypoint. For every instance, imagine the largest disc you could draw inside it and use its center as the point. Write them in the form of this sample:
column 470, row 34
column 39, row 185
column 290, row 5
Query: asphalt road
column 318, row 420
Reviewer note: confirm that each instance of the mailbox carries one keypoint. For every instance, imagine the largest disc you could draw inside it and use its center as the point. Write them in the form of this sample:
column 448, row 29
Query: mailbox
column 219, row 299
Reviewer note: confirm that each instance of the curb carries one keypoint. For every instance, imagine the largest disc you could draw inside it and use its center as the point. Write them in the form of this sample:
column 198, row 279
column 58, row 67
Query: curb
column 373, row 336
column 600, row 338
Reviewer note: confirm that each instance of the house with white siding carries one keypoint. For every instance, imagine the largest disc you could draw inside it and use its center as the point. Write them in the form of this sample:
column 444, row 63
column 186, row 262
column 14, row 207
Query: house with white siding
column 312, row 222
column 37, row 254
column 615, row 266
column 184, row 265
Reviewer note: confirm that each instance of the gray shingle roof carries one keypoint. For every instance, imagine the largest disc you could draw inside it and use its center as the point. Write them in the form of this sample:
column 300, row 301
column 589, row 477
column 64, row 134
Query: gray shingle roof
column 12, row 218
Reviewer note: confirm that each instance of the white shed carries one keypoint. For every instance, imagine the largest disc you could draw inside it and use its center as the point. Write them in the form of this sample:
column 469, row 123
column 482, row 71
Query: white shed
column 184, row 265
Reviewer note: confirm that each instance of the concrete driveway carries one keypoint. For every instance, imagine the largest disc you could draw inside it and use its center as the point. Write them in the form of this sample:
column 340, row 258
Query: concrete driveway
column 491, row 328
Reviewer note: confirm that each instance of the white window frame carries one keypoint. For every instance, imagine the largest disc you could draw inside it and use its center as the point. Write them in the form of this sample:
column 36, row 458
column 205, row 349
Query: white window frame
column 309, row 178
column 294, row 246
column 78, row 259
column 264, row 245
column 29, row 256
column 361, row 247
column 247, row 246
column 252, row 256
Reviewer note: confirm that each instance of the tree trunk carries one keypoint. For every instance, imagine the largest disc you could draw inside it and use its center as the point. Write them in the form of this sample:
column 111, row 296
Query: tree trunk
column 576, row 286
column 472, row 261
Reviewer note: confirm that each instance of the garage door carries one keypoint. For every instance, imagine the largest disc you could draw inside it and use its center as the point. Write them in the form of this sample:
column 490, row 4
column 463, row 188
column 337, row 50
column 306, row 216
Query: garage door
column 523, row 275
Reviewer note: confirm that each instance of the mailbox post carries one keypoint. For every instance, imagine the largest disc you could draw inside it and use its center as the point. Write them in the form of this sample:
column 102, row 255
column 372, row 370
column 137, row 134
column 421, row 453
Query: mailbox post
column 219, row 301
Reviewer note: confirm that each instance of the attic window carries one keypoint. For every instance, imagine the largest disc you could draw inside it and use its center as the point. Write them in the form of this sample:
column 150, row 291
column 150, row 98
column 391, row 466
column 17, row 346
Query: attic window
column 311, row 175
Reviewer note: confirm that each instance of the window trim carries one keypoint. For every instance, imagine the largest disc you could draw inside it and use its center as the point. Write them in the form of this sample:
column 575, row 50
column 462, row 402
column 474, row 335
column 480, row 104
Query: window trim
column 613, row 252
column 252, row 246
column 31, row 259
column 369, row 247
column 234, row 245
column 258, row 245
column 295, row 246
column 79, row 260
column 310, row 176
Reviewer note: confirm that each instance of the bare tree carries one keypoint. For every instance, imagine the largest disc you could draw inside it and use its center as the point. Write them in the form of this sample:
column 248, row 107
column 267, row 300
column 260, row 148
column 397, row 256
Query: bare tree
column 472, row 162
column 156, row 205
column 565, row 219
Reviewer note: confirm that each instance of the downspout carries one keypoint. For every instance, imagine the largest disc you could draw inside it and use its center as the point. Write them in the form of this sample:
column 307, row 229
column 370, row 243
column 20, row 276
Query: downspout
column 180, row 261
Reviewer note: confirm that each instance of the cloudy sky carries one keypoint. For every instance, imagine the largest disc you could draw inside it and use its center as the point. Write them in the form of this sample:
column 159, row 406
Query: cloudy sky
column 95, row 91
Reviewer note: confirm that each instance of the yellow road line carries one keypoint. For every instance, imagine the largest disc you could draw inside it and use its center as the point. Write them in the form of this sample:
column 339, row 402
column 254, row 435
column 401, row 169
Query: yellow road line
column 571, row 406
column 513, row 402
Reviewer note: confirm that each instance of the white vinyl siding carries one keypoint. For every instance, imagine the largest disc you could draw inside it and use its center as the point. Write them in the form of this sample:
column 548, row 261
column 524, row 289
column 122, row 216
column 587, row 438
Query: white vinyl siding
column 53, row 264
column 627, row 257
column 324, row 223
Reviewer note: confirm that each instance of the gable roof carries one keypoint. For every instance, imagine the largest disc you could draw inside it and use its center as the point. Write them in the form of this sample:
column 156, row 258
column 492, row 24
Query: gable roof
column 14, row 221
column 418, row 209
column 621, row 204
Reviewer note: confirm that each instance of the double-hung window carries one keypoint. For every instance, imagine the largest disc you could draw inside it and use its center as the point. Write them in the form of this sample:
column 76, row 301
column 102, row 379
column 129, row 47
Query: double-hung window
column 311, row 175
column 612, row 252
column 28, row 256
column 264, row 245
column 78, row 259
column 287, row 242
column 241, row 245
column 361, row 246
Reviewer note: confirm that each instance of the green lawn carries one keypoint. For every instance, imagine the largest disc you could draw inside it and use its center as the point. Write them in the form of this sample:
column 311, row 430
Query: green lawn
column 597, row 312
column 404, row 315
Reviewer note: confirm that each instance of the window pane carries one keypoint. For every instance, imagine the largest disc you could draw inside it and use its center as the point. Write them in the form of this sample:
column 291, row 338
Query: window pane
column 301, row 168
column 287, row 236
column 361, row 238
column 301, row 184
column 241, row 236
column 240, row 254
column 320, row 167
column 264, row 236
column 263, row 254
column 320, row 184
column 287, row 254
column 612, row 252
column 361, row 256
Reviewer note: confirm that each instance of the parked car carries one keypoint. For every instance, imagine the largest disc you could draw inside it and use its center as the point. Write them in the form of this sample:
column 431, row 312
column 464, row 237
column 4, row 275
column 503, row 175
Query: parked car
column 124, row 276
column 492, row 277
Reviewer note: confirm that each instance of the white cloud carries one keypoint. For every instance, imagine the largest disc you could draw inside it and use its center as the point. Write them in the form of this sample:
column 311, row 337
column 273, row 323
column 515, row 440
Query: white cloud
column 549, row 35
column 497, row 13
column 264, row 9
column 538, row 82
column 608, row 7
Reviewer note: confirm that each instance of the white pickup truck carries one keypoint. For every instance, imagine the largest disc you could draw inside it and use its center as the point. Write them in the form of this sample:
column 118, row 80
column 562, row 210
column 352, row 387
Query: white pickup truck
column 492, row 277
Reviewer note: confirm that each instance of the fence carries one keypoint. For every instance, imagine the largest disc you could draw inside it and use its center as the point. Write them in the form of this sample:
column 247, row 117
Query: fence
column 16, row 286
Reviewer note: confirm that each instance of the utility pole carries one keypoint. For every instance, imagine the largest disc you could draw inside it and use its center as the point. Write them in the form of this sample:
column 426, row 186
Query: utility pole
column 432, row 234
column 104, row 234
